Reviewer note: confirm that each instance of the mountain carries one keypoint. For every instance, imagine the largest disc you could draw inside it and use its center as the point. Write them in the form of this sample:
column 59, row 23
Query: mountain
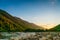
column 9, row 23
column 56, row 28
column 28, row 24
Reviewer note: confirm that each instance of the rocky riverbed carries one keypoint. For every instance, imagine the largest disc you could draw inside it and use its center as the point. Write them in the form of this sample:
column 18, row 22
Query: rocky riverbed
column 29, row 35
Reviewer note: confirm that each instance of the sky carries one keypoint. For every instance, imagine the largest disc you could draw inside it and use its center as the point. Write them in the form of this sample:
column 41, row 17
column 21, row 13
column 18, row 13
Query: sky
column 44, row 13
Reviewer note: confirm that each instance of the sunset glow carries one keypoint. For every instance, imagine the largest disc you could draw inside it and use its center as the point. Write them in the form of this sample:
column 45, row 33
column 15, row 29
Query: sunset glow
column 47, row 26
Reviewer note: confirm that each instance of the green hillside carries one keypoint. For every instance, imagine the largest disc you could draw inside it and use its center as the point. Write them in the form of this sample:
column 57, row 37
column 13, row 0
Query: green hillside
column 56, row 28
column 10, row 23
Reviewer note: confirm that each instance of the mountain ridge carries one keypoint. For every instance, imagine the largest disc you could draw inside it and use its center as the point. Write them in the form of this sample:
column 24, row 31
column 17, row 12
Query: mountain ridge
column 9, row 23
column 56, row 28
column 12, row 23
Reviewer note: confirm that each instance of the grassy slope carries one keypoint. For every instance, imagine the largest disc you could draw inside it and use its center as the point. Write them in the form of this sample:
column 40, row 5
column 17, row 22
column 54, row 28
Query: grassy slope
column 10, row 23
column 56, row 28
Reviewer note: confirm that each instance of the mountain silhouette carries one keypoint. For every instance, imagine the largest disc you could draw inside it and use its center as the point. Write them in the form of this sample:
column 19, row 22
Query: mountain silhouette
column 9, row 23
